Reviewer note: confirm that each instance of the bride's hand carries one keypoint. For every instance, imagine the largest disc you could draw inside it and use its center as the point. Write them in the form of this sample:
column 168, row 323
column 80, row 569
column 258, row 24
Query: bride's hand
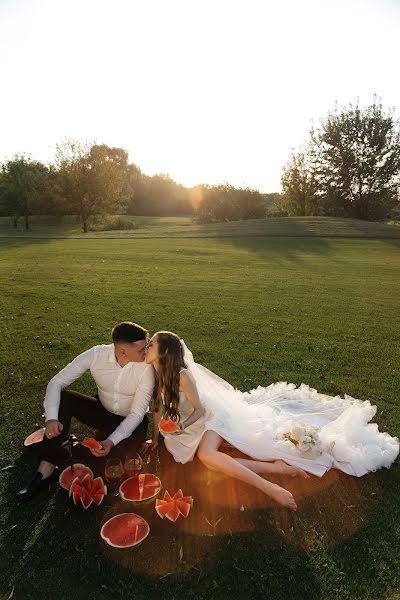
column 149, row 445
column 181, row 429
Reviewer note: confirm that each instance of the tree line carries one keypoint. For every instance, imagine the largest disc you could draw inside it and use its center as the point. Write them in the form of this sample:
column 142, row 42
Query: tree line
column 91, row 180
column 349, row 167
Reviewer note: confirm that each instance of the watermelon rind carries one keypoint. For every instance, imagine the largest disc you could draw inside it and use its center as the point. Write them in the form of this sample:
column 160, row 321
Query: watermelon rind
column 108, row 540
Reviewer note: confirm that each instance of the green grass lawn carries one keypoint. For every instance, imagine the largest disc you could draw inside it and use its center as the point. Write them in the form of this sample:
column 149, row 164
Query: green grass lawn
column 151, row 227
column 320, row 310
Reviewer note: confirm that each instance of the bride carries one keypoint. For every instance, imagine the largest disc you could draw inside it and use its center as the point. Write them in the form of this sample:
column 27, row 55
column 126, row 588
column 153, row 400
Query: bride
column 284, row 429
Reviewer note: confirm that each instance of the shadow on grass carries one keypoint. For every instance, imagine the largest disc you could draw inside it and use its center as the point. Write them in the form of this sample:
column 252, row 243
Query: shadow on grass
column 298, row 250
column 235, row 542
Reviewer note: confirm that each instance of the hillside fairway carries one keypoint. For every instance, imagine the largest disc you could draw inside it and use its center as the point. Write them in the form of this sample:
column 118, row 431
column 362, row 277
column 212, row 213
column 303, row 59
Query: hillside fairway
column 151, row 227
column 319, row 309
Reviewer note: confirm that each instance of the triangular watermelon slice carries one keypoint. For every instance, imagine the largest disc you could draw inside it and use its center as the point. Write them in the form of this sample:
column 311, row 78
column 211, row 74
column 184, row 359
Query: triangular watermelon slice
column 88, row 490
column 92, row 444
column 173, row 506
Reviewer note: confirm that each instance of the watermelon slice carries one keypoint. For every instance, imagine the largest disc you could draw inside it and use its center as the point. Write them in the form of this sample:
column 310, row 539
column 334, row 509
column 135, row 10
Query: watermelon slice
column 88, row 490
column 173, row 506
column 140, row 488
column 74, row 471
column 125, row 530
column 35, row 437
column 92, row 444
column 168, row 426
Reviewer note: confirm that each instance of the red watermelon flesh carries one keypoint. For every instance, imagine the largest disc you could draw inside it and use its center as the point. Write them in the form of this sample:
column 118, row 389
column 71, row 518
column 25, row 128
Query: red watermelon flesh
column 88, row 490
column 139, row 488
column 162, row 507
column 35, row 437
column 125, row 530
column 183, row 508
column 74, row 471
column 167, row 496
column 92, row 444
column 168, row 426
column 173, row 506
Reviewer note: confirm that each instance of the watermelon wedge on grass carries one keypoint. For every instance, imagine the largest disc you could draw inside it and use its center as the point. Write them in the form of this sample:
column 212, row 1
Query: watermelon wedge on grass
column 88, row 490
column 125, row 530
column 35, row 437
column 174, row 506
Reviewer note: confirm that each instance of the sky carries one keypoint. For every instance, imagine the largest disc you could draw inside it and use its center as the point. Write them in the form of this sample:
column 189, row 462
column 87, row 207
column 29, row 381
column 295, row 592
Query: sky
column 205, row 90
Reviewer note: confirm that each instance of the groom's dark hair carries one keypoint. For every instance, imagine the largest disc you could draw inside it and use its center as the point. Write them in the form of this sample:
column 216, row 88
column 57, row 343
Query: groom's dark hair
column 128, row 332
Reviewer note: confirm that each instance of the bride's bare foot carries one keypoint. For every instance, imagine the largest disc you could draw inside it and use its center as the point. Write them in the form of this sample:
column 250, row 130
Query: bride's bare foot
column 293, row 471
column 281, row 496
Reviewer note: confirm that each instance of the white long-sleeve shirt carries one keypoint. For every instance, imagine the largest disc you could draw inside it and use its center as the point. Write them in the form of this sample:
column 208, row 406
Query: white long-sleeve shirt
column 124, row 391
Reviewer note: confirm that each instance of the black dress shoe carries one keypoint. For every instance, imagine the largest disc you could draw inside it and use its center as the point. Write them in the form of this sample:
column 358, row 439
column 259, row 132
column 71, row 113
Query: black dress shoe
column 33, row 487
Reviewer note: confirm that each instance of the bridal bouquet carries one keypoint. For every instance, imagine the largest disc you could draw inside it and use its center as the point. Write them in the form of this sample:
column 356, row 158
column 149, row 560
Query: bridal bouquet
column 304, row 437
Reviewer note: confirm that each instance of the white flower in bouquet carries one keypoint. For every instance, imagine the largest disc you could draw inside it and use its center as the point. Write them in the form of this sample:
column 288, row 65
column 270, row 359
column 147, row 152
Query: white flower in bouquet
column 304, row 437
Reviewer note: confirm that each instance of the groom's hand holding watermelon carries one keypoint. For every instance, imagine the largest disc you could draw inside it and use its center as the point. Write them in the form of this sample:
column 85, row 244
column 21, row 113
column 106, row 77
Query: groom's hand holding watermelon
column 106, row 448
column 53, row 428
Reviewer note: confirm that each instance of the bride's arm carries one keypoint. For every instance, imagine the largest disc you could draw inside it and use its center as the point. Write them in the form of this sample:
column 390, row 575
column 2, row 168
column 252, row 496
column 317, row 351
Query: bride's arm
column 187, row 385
column 156, row 423
column 153, row 443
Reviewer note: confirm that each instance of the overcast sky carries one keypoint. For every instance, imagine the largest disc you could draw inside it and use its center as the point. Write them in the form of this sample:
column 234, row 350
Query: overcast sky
column 205, row 90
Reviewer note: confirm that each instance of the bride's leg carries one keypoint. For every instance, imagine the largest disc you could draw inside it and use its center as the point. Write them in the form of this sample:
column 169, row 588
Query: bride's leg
column 210, row 456
column 279, row 467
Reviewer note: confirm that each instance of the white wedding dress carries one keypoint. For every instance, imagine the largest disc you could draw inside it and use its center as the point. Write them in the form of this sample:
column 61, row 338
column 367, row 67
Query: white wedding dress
column 255, row 423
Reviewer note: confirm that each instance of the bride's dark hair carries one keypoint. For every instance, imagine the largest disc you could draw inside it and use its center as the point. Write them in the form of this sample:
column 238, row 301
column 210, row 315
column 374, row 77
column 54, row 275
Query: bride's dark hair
column 170, row 360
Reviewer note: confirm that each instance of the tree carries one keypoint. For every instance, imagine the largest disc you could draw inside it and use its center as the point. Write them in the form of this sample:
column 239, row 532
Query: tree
column 92, row 178
column 226, row 203
column 159, row 195
column 299, row 186
column 23, row 186
column 355, row 157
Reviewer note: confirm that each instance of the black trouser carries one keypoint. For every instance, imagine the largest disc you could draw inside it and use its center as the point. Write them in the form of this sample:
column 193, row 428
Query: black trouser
column 91, row 412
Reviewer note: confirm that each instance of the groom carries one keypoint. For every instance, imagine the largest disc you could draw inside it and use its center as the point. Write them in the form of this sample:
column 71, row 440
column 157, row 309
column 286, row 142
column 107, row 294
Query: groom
column 125, row 386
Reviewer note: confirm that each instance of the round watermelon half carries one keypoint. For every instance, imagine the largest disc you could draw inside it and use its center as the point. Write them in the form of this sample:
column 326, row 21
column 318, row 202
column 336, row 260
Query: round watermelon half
column 168, row 426
column 35, row 437
column 140, row 488
column 125, row 530
column 74, row 471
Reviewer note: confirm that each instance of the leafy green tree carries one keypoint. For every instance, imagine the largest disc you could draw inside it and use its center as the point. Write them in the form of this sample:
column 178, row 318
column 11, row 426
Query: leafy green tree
column 23, row 187
column 299, row 186
column 355, row 156
column 226, row 203
column 92, row 178
column 159, row 195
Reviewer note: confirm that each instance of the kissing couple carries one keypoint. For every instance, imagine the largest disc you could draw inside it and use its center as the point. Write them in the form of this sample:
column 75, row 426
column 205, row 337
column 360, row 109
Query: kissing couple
column 281, row 429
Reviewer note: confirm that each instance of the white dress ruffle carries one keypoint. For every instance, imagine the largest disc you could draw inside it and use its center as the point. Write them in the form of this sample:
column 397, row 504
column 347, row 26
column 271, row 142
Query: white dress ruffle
column 254, row 423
